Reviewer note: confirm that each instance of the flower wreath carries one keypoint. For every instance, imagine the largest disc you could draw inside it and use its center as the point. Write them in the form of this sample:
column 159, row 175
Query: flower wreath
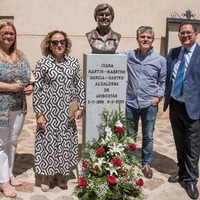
column 109, row 168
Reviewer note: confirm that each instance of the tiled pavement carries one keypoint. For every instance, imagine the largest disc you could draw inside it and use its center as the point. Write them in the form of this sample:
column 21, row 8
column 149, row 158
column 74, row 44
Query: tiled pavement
column 157, row 188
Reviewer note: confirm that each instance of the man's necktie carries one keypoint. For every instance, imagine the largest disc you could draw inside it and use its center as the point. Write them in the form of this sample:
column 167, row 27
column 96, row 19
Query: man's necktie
column 178, row 83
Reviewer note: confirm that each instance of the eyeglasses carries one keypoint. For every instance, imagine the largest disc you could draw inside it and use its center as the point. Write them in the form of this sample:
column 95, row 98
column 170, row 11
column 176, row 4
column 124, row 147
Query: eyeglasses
column 6, row 33
column 56, row 42
column 186, row 33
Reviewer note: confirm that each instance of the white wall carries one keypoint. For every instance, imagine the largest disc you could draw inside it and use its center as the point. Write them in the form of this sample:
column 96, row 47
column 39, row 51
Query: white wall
column 35, row 18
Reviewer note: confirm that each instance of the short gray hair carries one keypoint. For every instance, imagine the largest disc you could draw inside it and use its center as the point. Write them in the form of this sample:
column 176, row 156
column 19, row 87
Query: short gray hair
column 143, row 29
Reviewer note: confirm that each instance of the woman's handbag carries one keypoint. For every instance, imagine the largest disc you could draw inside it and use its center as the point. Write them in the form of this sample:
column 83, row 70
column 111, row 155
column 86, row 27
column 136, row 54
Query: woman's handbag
column 73, row 107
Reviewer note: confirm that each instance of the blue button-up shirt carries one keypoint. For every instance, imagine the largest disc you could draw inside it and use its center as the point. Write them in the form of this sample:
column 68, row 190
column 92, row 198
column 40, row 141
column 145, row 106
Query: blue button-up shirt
column 146, row 77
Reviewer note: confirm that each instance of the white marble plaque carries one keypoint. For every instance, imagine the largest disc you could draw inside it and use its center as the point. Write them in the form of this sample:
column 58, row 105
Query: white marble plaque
column 105, row 79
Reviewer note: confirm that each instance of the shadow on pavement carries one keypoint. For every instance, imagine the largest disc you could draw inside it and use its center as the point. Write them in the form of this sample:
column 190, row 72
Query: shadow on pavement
column 23, row 162
column 164, row 164
column 161, row 162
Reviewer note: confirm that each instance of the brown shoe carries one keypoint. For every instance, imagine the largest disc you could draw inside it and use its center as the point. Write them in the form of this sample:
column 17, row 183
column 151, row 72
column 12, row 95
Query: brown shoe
column 61, row 180
column 147, row 172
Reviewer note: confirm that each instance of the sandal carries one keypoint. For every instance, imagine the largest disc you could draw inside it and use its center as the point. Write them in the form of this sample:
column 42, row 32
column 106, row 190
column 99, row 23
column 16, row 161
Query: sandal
column 45, row 184
column 8, row 190
column 61, row 181
column 15, row 181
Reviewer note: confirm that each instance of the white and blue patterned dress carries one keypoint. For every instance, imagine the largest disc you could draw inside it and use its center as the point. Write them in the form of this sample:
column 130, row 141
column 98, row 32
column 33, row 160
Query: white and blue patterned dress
column 13, row 101
column 56, row 146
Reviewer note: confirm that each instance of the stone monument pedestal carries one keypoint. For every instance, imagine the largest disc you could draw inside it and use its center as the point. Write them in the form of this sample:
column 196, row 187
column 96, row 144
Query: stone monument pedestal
column 105, row 78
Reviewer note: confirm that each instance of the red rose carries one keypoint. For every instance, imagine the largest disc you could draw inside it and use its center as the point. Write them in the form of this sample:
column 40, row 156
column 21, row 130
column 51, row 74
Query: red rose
column 132, row 147
column 140, row 182
column 82, row 182
column 111, row 179
column 100, row 150
column 119, row 129
column 84, row 164
column 117, row 161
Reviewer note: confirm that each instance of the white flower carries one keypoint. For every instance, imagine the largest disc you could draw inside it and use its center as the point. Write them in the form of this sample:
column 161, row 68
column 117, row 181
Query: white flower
column 108, row 135
column 99, row 163
column 108, row 132
column 81, row 170
column 108, row 129
column 103, row 142
column 116, row 148
column 118, row 124
column 93, row 155
column 130, row 140
column 112, row 169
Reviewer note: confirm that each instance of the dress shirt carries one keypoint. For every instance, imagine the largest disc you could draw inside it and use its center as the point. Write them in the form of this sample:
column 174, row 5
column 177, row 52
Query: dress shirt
column 177, row 64
column 146, row 77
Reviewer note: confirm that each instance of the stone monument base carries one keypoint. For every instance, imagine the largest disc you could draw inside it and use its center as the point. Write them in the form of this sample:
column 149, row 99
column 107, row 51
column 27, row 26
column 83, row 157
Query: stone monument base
column 105, row 80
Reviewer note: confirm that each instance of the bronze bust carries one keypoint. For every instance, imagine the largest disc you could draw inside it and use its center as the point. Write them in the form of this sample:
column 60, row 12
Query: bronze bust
column 103, row 40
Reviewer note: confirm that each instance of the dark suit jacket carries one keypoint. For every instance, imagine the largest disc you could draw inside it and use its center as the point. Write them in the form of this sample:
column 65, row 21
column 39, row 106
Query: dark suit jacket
column 191, row 84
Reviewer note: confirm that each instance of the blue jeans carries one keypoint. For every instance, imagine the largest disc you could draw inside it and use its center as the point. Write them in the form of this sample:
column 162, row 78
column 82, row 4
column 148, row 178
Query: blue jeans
column 148, row 119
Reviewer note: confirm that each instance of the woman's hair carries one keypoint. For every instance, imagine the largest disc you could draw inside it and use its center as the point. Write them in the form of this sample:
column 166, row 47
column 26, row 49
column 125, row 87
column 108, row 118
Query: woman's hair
column 104, row 6
column 15, row 53
column 45, row 45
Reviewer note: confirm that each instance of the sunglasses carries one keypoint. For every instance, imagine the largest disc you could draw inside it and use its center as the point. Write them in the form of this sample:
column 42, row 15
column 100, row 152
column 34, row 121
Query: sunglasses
column 6, row 33
column 56, row 42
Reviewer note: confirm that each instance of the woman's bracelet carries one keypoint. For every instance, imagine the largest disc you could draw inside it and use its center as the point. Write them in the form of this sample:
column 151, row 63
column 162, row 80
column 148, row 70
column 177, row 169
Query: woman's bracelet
column 37, row 115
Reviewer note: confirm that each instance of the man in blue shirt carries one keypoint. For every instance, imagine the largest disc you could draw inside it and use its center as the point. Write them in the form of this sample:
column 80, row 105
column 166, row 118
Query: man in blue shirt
column 145, row 89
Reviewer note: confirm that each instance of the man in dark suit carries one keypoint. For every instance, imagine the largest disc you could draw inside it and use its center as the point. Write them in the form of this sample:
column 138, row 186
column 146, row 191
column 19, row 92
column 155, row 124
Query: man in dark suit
column 183, row 96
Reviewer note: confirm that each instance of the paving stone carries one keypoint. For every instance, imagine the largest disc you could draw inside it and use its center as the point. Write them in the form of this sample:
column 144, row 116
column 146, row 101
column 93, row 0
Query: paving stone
column 64, row 198
column 26, row 187
column 163, row 165
column 153, row 183
column 39, row 197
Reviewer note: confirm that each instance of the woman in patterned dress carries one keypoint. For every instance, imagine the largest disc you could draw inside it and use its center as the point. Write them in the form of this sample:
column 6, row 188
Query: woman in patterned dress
column 15, row 76
column 58, row 82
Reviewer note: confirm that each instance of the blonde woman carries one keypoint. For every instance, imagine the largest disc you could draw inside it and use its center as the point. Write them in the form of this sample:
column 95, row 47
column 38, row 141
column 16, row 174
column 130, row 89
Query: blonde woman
column 15, row 76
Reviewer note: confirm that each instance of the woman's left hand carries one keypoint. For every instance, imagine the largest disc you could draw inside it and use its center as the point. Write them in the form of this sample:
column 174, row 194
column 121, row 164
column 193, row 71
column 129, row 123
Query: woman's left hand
column 28, row 89
column 79, row 114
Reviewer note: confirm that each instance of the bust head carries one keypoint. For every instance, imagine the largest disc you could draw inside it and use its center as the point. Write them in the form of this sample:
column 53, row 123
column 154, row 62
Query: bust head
column 104, row 15
column 103, row 39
